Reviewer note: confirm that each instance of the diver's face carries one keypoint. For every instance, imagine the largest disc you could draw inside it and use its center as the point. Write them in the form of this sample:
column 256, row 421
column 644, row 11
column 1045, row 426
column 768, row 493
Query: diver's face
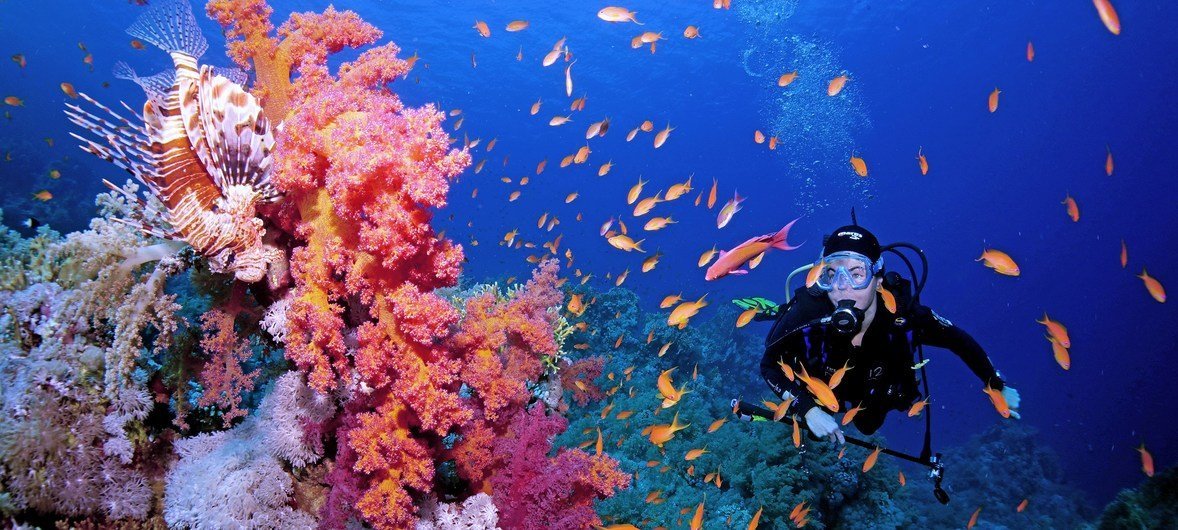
column 843, row 290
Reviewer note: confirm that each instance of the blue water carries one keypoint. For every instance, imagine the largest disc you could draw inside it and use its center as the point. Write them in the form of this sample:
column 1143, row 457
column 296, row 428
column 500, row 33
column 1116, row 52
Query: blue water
column 920, row 75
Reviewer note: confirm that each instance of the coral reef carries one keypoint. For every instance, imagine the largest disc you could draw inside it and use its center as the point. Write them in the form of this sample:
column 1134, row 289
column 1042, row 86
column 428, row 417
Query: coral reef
column 1153, row 505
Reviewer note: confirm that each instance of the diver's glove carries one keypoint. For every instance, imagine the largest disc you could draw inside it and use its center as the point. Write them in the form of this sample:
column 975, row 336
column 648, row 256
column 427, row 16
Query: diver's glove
column 823, row 425
column 1012, row 401
column 766, row 309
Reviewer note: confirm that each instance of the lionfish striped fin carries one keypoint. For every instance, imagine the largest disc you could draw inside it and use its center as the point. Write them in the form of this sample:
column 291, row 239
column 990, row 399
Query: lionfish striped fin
column 233, row 138
column 171, row 26
column 156, row 86
column 125, row 146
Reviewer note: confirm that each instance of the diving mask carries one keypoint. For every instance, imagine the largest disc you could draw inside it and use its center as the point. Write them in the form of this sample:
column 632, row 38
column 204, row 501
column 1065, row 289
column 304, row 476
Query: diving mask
column 847, row 269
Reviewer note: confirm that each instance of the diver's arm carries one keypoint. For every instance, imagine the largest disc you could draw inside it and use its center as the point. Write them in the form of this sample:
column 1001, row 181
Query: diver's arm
column 938, row 331
column 784, row 344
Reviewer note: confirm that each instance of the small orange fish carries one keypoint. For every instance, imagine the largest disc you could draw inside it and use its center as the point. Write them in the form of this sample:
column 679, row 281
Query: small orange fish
column 1057, row 331
column 820, row 390
column 707, row 256
column 696, row 453
column 850, row 415
column 635, row 191
column 923, row 161
column 871, row 458
column 625, row 414
column 691, row 32
column 1021, row 506
column 517, row 25
column 568, row 79
column 661, row 434
column 993, row 102
column 514, row 195
column 137, row 44
column 1146, row 461
column 19, row 59
column 14, row 101
column 697, row 520
column 797, row 433
column 730, row 209
column 745, row 317
column 1153, row 286
column 917, row 407
column 1060, row 353
column 838, row 375
column 43, row 195
column 859, row 165
column 54, row 174
column 1108, row 161
column 604, row 169
column 715, row 426
column 903, row 481
column 786, row 79
column 998, row 400
column 618, row 14
column 888, row 298
column 1124, row 254
column 1030, row 52
column 482, row 28
column 758, row 136
column 1108, row 15
column 1073, row 208
column 599, row 439
column 712, row 195
column 536, row 107
column 756, row 519
column 1000, row 261
column 661, row 137
column 836, row 85
column 973, row 519
column 89, row 59
column 772, row 143
column 669, row 301
column 557, row 121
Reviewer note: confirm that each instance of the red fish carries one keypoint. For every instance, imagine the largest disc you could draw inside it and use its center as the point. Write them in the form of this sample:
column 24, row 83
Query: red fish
column 730, row 262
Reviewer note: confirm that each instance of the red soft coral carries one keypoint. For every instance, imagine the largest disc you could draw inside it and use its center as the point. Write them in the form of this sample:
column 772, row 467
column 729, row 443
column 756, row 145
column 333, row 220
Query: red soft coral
column 586, row 371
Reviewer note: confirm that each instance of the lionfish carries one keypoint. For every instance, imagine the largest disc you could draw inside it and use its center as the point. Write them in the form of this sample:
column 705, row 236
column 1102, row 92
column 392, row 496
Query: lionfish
column 202, row 147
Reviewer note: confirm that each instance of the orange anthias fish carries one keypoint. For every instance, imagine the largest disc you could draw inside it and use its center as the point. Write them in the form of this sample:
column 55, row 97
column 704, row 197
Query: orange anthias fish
column 923, row 161
column 691, row 32
column 1146, row 461
column 715, row 426
column 888, row 298
column 730, row 208
column 685, row 311
column 1021, row 506
column 1153, row 286
column 517, row 25
column 917, row 407
column 635, row 191
column 707, row 256
column 1030, row 52
column 1073, row 208
column 661, row 137
column 43, row 195
column 1057, row 331
column 68, row 89
column 1108, row 161
column 973, row 519
column 670, row 300
column 1000, row 261
column 1061, row 354
column 903, row 481
column 859, row 165
column 1108, row 15
column 998, row 400
column 786, row 79
column 1124, row 254
column 746, row 316
column 836, row 85
column 756, row 519
column 618, row 14
column 993, row 102
column 661, row 434
column 697, row 520
column 482, row 28
column 820, row 390
column 730, row 262
column 850, row 415
column 871, row 458
column 696, row 453
column 712, row 195
column 14, row 101
column 838, row 375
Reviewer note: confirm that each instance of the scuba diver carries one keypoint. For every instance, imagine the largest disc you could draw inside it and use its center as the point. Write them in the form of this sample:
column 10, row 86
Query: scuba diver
column 841, row 320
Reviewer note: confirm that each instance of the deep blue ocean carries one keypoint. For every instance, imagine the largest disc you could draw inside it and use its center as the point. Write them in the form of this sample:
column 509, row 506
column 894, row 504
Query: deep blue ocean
column 919, row 74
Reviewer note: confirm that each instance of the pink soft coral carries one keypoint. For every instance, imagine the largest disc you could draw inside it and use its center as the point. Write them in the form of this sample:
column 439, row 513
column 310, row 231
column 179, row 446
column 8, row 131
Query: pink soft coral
column 534, row 491
column 223, row 379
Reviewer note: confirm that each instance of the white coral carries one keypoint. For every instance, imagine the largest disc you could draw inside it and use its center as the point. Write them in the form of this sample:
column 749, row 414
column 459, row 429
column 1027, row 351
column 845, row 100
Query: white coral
column 477, row 513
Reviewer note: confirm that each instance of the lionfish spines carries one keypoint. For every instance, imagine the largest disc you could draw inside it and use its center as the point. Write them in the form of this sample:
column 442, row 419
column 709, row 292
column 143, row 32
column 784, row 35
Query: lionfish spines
column 202, row 147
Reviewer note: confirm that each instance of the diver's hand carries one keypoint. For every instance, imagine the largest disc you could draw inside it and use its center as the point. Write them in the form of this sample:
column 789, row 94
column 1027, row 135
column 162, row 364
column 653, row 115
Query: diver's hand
column 823, row 425
column 1012, row 401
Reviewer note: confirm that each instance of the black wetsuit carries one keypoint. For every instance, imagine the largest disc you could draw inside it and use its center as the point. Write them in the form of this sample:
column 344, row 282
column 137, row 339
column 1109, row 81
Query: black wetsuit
column 881, row 377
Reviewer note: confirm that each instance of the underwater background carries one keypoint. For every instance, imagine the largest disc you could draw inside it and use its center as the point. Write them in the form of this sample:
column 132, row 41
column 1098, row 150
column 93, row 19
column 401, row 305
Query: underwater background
column 919, row 75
